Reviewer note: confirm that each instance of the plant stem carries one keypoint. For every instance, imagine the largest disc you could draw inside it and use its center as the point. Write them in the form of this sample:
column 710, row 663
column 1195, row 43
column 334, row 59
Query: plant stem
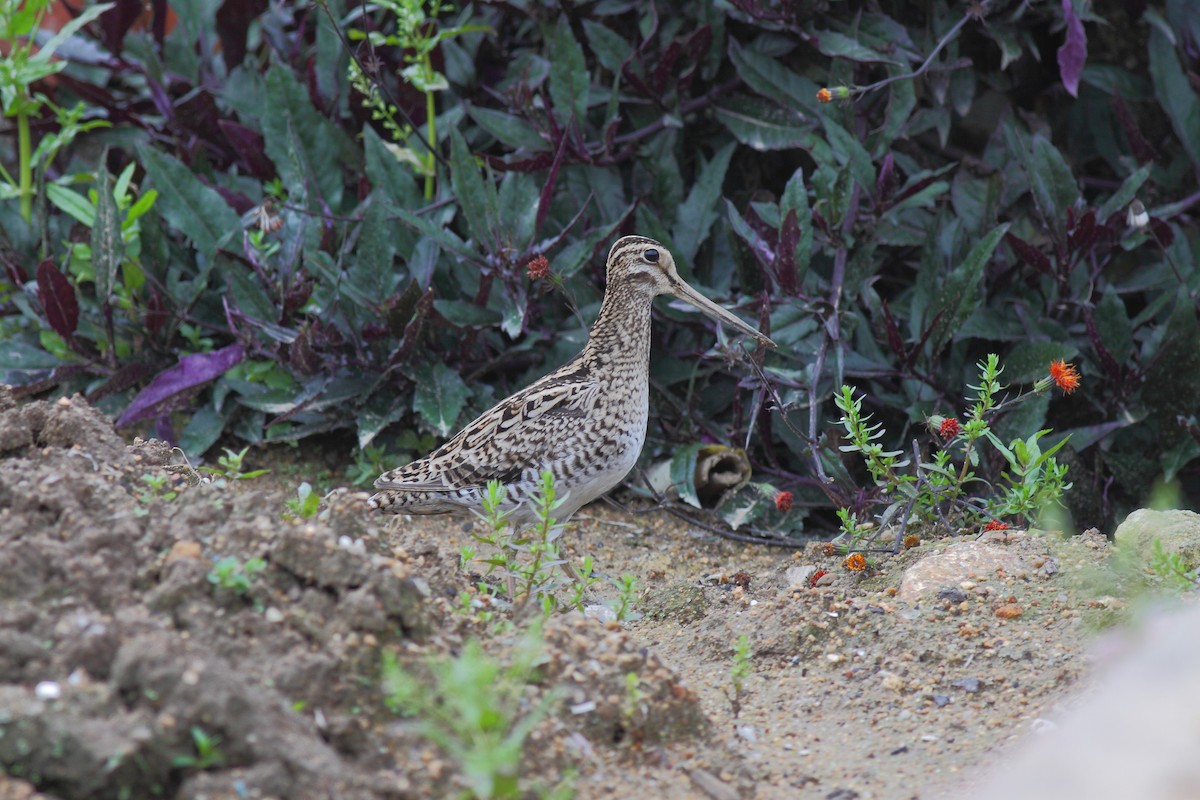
column 430, row 128
column 25, row 187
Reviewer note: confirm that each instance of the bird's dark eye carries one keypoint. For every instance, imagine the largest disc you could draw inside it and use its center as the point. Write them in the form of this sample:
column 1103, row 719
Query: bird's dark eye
column 651, row 255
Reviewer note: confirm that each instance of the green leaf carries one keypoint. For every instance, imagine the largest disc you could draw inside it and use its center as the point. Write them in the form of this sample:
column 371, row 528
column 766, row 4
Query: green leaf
column 1113, row 325
column 1028, row 361
column 508, row 128
column 958, row 294
column 196, row 210
column 795, row 198
column 610, row 48
column 838, row 45
column 439, row 396
column 1124, row 195
column 379, row 412
column 469, row 189
column 1175, row 93
column 848, row 150
column 766, row 76
column 466, row 315
column 204, row 427
column 303, row 144
column 372, row 273
column 71, row 202
column 568, row 74
column 108, row 249
column 683, row 473
column 387, row 173
column 697, row 214
column 46, row 51
column 1051, row 180
column 765, row 126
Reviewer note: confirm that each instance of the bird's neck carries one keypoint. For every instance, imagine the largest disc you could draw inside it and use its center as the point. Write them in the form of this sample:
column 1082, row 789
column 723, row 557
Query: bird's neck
column 622, row 329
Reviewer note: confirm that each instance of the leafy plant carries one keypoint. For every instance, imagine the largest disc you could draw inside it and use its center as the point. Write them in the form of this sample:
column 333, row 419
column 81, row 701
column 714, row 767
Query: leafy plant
column 417, row 35
column 1172, row 569
column 232, row 575
column 306, row 504
column 739, row 672
column 158, row 487
column 472, row 707
column 229, row 467
column 24, row 64
column 935, row 491
column 306, row 274
column 208, row 752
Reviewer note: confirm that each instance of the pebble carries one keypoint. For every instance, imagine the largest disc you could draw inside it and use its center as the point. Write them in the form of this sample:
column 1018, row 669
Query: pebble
column 273, row 615
column 48, row 690
column 600, row 612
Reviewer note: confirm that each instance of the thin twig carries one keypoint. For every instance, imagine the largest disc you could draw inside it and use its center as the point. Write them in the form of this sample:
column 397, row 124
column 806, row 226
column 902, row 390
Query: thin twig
column 976, row 12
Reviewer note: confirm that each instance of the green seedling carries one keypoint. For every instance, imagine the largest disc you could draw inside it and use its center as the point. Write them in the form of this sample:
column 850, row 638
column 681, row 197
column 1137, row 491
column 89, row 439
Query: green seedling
column 306, row 504
column 229, row 466
column 230, row 574
column 208, row 752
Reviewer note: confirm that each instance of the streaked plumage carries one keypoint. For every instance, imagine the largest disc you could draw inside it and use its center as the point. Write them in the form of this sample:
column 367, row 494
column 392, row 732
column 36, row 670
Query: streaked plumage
column 585, row 422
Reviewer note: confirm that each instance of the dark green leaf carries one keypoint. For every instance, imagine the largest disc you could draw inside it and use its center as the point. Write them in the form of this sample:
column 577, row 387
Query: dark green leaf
column 387, row 173
column 611, row 50
column 838, row 45
column 1028, row 361
column 1125, row 194
column 769, row 78
column 373, row 272
column 699, row 211
column 683, row 473
column 187, row 204
column 568, row 74
column 508, row 128
column 439, row 396
column 765, row 126
column 1112, row 323
column 795, row 198
column 848, row 150
column 108, row 249
column 1053, row 185
column 958, row 295
column 467, row 315
column 469, row 189
column 1176, row 94
column 303, row 144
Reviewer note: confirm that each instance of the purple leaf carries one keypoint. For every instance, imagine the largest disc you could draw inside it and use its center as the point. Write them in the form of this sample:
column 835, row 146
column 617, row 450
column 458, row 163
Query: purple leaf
column 785, row 263
column 116, row 22
column 1029, row 254
column 58, row 298
column 250, row 148
column 190, row 372
column 548, row 188
column 1073, row 53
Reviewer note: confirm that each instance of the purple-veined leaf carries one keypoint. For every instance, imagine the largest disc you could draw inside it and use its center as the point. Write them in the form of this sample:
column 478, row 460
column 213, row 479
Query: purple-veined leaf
column 190, row 372
column 1029, row 254
column 785, row 262
column 548, row 188
column 250, row 148
column 58, row 299
column 1073, row 54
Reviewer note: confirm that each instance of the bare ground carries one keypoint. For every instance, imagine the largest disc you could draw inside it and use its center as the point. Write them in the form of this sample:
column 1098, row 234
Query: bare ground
column 115, row 647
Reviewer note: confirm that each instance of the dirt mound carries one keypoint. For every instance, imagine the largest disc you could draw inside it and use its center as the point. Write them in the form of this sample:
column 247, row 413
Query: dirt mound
column 177, row 638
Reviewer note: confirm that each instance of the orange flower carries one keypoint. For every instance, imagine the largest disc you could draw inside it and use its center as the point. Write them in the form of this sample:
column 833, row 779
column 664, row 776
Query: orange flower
column 855, row 562
column 538, row 268
column 911, row 541
column 828, row 549
column 824, row 96
column 949, row 428
column 995, row 525
column 1065, row 375
column 783, row 501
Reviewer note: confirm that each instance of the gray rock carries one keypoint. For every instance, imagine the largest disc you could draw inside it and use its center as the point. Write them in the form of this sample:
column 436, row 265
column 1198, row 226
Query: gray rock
column 958, row 562
column 1178, row 531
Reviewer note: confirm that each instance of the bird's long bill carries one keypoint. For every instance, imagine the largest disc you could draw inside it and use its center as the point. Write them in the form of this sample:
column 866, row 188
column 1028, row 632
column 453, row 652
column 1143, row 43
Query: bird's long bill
column 687, row 293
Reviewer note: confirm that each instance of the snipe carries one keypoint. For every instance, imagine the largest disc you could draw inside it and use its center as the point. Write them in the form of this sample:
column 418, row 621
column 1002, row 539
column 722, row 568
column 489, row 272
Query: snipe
column 585, row 422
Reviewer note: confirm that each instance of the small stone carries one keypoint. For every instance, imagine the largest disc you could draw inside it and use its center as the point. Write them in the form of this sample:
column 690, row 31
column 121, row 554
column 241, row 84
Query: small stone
column 600, row 612
column 941, row 700
column 183, row 550
column 273, row 615
column 969, row 685
column 48, row 690
column 1009, row 611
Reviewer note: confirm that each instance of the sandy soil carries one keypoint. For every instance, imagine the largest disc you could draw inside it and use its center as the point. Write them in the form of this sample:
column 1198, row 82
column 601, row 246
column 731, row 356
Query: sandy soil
column 116, row 647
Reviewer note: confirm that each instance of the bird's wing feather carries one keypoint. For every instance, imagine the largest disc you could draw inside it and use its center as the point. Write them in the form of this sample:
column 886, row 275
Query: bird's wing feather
column 503, row 441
